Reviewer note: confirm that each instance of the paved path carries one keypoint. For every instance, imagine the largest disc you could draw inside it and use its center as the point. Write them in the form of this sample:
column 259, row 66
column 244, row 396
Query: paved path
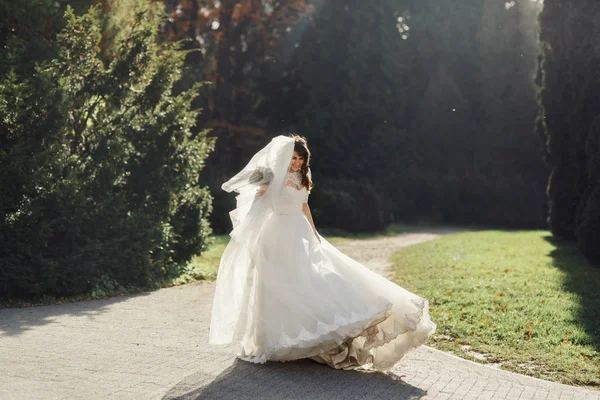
column 153, row 346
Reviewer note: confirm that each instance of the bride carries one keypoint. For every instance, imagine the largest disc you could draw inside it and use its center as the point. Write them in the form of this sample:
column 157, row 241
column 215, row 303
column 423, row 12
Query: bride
column 285, row 293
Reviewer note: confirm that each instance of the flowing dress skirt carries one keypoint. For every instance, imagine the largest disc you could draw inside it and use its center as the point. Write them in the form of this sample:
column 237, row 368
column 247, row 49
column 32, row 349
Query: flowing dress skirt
column 309, row 300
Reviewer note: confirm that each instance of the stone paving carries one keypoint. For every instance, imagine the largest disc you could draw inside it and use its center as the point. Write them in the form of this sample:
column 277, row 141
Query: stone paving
column 154, row 346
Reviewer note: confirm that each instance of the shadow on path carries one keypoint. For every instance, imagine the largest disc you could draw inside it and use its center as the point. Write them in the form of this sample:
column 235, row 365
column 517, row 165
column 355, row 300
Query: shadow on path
column 15, row 321
column 303, row 379
column 582, row 279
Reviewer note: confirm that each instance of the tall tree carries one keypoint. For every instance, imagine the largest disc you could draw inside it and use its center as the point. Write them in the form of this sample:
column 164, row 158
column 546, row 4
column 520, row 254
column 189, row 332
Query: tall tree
column 507, row 44
column 235, row 41
column 409, row 97
column 413, row 109
column 569, row 111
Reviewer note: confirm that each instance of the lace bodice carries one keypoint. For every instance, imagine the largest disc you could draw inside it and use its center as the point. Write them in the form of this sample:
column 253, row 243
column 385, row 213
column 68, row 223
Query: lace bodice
column 292, row 195
column 294, row 178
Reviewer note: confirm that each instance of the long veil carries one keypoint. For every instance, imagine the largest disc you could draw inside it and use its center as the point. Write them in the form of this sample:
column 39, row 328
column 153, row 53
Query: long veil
column 269, row 167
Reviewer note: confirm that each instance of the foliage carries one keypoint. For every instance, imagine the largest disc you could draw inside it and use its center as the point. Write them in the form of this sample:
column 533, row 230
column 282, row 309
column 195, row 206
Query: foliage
column 430, row 106
column 34, row 23
column 427, row 107
column 532, row 309
column 571, row 121
column 104, row 162
column 348, row 205
column 237, row 41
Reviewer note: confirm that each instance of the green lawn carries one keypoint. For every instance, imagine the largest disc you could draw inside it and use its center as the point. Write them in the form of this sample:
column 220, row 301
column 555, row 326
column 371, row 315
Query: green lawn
column 518, row 299
column 205, row 266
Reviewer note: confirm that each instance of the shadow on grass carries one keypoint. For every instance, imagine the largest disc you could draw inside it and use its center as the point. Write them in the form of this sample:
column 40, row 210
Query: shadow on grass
column 303, row 379
column 582, row 279
column 15, row 321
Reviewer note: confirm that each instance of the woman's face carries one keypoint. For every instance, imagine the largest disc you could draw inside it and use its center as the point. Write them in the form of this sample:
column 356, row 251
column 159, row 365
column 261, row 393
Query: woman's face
column 297, row 161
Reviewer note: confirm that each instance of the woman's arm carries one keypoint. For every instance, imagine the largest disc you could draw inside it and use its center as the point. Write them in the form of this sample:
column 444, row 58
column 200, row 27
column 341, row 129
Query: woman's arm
column 306, row 211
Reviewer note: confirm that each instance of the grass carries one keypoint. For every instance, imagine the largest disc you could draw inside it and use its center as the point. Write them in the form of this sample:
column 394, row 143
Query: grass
column 206, row 265
column 518, row 299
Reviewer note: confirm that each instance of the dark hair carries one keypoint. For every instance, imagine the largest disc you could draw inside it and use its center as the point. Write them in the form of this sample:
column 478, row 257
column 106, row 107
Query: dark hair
column 301, row 147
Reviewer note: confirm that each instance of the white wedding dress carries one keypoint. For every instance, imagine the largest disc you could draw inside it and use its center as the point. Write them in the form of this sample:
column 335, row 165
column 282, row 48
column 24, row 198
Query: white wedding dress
column 305, row 299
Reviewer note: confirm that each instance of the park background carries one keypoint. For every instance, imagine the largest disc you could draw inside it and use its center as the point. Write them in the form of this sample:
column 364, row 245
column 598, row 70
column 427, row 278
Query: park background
column 119, row 123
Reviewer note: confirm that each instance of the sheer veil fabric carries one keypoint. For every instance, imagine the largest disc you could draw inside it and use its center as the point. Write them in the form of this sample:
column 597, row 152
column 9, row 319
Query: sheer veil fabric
column 268, row 166
column 285, row 296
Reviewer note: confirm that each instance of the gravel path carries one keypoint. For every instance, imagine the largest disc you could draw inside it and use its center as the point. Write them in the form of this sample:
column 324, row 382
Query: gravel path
column 375, row 253
column 154, row 346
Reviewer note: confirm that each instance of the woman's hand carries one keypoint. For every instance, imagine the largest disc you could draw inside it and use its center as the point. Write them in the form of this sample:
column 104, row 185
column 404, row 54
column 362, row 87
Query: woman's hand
column 262, row 189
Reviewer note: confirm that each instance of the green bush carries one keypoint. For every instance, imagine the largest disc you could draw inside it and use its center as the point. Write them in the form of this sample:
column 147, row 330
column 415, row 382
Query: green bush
column 99, row 163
